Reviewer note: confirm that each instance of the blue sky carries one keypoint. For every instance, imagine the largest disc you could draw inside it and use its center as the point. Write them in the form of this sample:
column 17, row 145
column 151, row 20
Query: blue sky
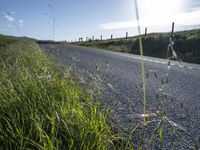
column 85, row 18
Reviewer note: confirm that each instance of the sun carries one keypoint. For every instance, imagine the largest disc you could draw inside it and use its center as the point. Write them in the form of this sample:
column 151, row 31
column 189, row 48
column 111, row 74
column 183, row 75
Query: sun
column 157, row 12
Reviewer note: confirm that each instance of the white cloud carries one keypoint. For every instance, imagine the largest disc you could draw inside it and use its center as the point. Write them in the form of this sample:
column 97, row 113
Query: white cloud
column 184, row 18
column 189, row 18
column 21, row 22
column 9, row 18
column 117, row 25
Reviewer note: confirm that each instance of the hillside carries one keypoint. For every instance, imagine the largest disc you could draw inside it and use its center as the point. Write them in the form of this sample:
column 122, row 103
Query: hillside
column 186, row 44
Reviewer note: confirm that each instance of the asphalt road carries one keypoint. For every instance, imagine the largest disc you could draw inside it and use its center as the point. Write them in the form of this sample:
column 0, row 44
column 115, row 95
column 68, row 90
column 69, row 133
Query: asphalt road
column 120, row 75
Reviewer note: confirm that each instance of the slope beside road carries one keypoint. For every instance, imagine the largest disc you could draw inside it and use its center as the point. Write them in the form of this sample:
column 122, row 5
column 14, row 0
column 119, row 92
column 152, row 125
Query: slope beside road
column 121, row 76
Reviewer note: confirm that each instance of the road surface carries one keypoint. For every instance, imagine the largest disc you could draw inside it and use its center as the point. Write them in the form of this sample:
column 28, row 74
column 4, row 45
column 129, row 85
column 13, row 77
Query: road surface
column 120, row 75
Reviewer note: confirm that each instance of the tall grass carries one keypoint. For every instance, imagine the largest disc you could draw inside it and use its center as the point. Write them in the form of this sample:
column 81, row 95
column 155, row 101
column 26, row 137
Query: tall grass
column 43, row 108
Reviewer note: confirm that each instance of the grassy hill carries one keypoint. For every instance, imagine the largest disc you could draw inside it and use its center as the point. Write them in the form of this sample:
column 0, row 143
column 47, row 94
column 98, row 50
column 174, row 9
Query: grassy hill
column 6, row 40
column 186, row 44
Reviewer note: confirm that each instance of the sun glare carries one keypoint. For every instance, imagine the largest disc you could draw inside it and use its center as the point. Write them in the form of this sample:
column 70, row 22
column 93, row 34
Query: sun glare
column 158, row 12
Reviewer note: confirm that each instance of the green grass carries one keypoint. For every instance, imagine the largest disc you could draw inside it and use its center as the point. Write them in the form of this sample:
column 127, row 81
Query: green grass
column 186, row 45
column 5, row 40
column 43, row 108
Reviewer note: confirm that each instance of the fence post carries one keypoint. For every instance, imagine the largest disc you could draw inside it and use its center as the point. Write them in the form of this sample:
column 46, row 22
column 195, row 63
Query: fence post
column 111, row 36
column 145, row 32
column 126, row 35
column 172, row 32
column 101, row 37
column 93, row 37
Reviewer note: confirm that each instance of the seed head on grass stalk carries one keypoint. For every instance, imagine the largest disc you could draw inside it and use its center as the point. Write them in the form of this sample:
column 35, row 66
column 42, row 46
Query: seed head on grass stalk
column 142, row 69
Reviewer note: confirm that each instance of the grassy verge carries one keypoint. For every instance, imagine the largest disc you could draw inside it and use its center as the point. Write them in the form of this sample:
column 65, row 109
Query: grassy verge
column 186, row 45
column 42, row 108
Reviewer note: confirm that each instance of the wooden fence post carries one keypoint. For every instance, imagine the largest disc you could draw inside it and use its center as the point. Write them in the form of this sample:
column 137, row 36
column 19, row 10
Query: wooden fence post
column 126, row 35
column 145, row 32
column 172, row 32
